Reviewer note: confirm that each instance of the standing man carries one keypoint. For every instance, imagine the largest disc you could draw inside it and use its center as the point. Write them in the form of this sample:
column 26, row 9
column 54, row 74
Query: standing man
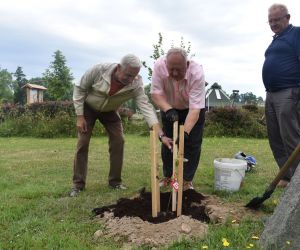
column 178, row 89
column 281, row 77
column 99, row 94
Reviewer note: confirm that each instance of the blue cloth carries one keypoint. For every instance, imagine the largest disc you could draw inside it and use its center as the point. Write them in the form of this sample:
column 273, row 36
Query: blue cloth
column 250, row 160
column 281, row 68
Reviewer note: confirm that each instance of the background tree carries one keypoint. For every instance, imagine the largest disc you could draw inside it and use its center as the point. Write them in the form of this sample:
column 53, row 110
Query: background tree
column 19, row 82
column 131, row 104
column 248, row 98
column 159, row 51
column 235, row 97
column 6, row 86
column 59, row 78
column 147, row 89
column 260, row 99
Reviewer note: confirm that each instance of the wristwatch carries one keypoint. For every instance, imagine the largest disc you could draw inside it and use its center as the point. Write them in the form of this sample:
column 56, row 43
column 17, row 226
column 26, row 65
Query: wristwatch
column 160, row 136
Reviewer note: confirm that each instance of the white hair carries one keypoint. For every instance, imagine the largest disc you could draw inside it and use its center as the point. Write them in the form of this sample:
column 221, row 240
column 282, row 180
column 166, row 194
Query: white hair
column 281, row 7
column 180, row 51
column 130, row 60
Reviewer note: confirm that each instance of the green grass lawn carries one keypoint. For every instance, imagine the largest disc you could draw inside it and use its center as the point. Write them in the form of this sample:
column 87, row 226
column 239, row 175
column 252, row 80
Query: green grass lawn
column 36, row 212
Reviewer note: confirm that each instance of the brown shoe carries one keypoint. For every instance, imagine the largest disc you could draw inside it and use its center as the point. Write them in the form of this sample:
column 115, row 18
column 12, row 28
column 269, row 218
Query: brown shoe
column 282, row 183
column 187, row 185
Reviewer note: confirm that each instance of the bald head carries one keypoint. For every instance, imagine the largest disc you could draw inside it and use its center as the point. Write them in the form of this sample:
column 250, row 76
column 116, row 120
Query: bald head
column 177, row 63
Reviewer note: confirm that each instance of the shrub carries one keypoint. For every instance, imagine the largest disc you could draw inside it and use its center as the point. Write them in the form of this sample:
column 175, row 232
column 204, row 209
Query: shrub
column 234, row 122
column 53, row 119
column 250, row 107
column 58, row 119
column 139, row 127
column 125, row 112
column 48, row 119
column 60, row 125
column 8, row 110
column 52, row 108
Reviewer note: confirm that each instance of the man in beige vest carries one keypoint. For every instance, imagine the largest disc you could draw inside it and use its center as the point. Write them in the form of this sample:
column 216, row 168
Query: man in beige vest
column 99, row 94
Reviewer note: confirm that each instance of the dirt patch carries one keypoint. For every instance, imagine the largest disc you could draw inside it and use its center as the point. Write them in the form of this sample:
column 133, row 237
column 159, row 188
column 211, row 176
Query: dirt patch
column 141, row 207
column 132, row 218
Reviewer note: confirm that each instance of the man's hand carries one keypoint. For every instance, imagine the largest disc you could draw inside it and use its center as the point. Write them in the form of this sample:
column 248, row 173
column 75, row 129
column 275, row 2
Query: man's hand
column 172, row 115
column 81, row 124
column 168, row 142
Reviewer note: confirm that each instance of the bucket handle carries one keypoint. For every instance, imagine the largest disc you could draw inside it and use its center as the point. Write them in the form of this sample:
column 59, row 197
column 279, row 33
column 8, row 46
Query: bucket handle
column 239, row 173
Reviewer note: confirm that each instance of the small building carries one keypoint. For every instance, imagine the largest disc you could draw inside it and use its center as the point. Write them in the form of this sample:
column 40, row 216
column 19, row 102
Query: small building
column 216, row 97
column 34, row 92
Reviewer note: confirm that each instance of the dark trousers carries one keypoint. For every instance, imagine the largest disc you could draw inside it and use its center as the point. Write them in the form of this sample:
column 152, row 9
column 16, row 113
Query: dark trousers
column 282, row 111
column 191, row 151
column 113, row 126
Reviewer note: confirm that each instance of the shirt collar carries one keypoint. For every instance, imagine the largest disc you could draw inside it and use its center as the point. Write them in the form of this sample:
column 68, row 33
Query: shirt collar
column 107, row 74
column 286, row 30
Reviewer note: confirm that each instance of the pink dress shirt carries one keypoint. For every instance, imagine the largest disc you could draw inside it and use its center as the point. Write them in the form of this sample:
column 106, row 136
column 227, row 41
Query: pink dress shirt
column 188, row 93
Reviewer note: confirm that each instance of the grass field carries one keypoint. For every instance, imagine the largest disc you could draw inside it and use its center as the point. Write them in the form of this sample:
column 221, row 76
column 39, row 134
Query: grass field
column 36, row 212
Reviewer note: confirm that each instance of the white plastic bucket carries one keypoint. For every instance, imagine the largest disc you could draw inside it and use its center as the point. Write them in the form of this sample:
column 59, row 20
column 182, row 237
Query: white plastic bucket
column 229, row 173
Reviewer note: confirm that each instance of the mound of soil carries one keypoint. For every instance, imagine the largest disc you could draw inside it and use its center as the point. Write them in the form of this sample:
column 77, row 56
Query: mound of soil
column 131, row 219
column 141, row 206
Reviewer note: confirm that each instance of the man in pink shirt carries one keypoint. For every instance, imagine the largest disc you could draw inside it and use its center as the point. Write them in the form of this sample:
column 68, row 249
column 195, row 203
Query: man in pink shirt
column 178, row 89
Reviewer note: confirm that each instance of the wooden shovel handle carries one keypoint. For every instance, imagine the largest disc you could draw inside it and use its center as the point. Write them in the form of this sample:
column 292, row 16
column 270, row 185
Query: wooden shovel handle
column 286, row 166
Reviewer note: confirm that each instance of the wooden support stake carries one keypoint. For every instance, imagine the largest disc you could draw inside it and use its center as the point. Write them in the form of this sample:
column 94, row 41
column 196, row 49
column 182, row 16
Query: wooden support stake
column 180, row 170
column 157, row 176
column 175, row 159
column 154, row 172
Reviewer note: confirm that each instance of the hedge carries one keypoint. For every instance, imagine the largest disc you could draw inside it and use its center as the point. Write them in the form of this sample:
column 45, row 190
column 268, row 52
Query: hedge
column 58, row 119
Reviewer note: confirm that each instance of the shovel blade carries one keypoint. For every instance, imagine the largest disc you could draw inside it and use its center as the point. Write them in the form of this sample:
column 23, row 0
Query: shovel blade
column 256, row 202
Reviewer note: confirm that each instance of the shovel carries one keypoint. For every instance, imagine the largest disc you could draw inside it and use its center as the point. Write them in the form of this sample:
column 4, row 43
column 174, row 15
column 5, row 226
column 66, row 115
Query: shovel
column 257, row 201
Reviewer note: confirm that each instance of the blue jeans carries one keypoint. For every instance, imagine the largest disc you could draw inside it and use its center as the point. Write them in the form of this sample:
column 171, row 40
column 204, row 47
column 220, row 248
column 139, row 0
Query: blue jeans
column 192, row 151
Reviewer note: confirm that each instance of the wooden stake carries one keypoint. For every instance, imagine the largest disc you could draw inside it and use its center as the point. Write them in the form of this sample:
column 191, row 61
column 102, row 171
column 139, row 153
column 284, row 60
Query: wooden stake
column 180, row 170
column 154, row 172
column 157, row 175
column 175, row 159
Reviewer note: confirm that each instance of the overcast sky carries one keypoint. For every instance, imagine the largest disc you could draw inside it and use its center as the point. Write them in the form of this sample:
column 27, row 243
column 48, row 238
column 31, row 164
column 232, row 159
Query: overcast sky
column 228, row 37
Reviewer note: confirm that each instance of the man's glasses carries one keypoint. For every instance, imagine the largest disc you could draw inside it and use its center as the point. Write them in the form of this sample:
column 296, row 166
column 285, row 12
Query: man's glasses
column 277, row 20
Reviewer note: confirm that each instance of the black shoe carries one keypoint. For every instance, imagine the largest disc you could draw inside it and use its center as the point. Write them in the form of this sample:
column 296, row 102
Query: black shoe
column 74, row 192
column 119, row 186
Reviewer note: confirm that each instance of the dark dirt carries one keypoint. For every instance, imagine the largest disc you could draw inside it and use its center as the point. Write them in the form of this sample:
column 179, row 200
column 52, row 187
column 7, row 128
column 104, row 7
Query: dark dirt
column 141, row 207
column 130, row 221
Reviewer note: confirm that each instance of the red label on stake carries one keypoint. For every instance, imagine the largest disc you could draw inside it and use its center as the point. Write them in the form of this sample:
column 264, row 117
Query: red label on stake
column 175, row 185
